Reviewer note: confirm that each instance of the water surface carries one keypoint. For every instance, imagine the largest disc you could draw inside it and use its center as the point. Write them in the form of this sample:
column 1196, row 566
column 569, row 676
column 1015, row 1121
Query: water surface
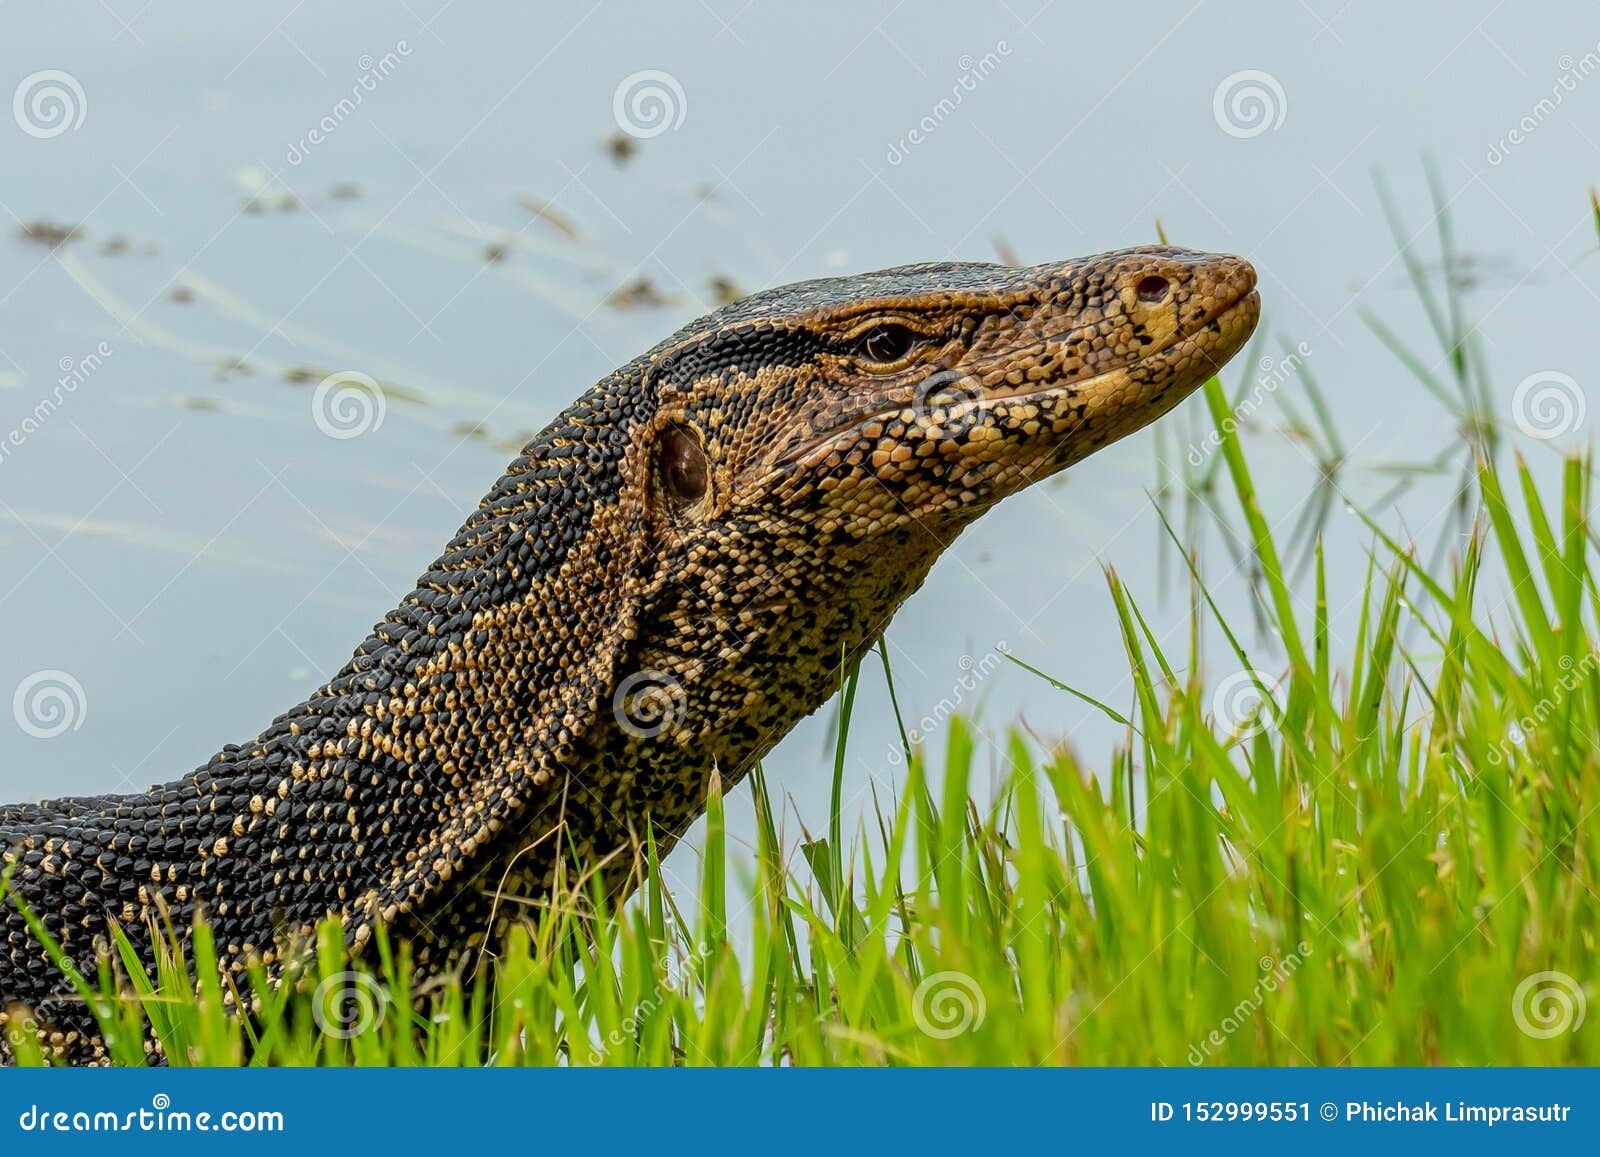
column 269, row 194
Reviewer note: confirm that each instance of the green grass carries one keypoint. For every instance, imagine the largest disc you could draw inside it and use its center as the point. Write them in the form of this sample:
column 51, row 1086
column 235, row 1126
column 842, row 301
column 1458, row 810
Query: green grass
column 1392, row 858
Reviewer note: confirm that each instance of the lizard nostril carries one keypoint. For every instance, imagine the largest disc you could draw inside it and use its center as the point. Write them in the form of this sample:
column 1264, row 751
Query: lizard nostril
column 1151, row 289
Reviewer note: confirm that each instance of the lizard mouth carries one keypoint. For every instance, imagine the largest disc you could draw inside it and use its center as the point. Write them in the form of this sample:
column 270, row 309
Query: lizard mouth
column 1176, row 369
column 1212, row 342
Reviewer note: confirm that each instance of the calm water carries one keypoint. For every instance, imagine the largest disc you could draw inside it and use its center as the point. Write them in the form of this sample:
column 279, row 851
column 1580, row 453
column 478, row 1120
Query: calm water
column 184, row 541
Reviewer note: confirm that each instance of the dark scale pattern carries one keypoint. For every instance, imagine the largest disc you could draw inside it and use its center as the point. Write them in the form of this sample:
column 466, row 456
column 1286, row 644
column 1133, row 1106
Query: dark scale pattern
column 660, row 586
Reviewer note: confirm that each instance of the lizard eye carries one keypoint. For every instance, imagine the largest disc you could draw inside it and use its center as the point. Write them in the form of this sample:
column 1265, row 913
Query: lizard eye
column 884, row 345
column 685, row 473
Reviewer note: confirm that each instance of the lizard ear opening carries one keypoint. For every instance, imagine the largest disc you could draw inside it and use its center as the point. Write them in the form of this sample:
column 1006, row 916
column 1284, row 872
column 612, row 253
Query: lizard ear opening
column 685, row 473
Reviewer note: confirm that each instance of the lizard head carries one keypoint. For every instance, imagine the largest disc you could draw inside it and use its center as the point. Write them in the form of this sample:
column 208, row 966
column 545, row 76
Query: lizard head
column 809, row 451
column 920, row 396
